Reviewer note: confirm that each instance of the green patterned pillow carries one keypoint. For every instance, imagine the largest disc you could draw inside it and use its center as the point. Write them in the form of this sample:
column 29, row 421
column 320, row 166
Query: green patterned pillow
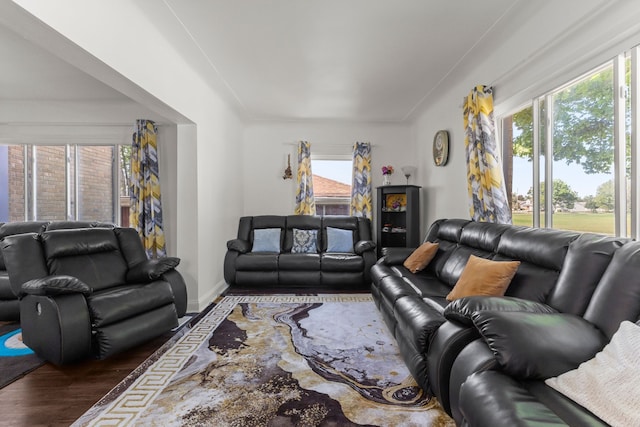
column 305, row 241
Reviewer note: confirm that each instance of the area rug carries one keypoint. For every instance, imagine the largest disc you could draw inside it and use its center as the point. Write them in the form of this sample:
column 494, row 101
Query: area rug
column 279, row 360
column 16, row 359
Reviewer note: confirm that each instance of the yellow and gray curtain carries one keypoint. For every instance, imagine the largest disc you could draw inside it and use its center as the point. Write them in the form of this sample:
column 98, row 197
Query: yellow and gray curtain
column 305, row 202
column 146, row 208
column 487, row 194
column 361, row 183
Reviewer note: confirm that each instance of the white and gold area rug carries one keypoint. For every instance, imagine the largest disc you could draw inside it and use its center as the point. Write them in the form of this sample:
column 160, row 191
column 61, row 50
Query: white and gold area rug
column 276, row 360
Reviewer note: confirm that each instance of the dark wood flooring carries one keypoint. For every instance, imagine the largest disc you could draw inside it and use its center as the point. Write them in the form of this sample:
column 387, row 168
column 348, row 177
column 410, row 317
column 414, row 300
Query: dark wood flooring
column 57, row 396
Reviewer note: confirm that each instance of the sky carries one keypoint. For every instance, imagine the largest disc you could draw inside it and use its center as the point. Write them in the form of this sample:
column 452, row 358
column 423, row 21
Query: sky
column 584, row 184
column 338, row 170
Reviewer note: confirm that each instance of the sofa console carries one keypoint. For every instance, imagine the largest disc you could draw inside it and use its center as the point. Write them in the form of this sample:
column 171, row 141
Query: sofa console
column 334, row 252
column 487, row 354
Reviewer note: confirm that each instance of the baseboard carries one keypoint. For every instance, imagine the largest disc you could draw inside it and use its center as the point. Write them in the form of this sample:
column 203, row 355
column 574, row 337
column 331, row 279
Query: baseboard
column 207, row 298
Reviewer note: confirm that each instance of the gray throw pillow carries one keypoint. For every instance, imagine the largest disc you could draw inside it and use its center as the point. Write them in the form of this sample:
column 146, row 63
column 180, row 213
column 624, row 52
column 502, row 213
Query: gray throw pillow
column 339, row 240
column 266, row 240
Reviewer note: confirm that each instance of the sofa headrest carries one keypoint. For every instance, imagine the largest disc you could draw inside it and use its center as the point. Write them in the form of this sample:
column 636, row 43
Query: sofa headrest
column 93, row 255
column 80, row 241
column 617, row 295
column 482, row 235
column 21, row 227
column 587, row 259
column 344, row 222
column 450, row 229
column 305, row 222
column 544, row 247
column 62, row 225
column 268, row 221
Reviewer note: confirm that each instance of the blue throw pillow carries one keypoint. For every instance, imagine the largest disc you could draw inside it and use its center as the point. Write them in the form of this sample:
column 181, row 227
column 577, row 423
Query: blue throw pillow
column 339, row 240
column 305, row 241
column 266, row 240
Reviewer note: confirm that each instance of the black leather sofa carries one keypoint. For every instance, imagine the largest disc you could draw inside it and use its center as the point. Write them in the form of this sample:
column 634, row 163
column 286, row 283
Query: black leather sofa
column 567, row 298
column 91, row 292
column 9, row 305
column 283, row 268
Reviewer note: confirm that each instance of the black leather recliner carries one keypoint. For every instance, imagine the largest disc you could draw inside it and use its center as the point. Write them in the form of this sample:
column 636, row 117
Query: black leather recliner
column 91, row 292
column 9, row 304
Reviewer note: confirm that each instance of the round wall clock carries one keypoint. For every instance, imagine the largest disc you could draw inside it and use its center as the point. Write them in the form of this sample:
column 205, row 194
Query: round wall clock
column 441, row 148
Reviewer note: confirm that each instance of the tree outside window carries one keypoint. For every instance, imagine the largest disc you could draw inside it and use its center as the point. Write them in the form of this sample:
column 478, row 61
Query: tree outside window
column 583, row 155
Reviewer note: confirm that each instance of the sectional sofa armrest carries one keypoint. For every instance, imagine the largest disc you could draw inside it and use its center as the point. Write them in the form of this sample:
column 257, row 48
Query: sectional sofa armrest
column 538, row 345
column 462, row 309
column 239, row 245
column 395, row 256
column 491, row 398
column 363, row 246
column 151, row 269
column 55, row 285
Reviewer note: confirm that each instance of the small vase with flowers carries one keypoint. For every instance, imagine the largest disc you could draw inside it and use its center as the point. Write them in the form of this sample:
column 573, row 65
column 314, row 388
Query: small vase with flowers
column 386, row 174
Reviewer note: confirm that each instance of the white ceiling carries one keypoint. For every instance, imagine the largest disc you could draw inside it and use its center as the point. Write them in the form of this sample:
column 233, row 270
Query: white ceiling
column 369, row 60
column 357, row 60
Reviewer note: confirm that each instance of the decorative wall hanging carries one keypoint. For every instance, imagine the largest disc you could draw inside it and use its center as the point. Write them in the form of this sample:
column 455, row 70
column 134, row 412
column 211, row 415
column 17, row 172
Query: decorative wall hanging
column 288, row 174
column 441, row 148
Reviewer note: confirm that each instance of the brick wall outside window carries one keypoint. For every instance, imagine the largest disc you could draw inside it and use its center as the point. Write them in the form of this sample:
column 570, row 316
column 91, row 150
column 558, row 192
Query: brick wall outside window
column 95, row 180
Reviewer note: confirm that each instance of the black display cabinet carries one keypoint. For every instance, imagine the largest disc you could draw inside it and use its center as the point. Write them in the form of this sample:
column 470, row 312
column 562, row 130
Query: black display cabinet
column 398, row 221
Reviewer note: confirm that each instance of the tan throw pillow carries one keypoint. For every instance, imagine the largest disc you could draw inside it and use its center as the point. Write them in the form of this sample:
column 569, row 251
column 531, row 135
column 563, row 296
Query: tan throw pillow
column 421, row 257
column 484, row 277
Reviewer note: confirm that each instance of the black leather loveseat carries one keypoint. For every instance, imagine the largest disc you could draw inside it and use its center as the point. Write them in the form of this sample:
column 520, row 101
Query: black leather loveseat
column 567, row 298
column 91, row 292
column 9, row 305
column 343, row 262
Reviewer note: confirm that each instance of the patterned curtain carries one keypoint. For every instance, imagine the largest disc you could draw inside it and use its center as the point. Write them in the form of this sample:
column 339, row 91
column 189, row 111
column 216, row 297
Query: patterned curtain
column 361, row 194
column 146, row 209
column 305, row 202
column 487, row 193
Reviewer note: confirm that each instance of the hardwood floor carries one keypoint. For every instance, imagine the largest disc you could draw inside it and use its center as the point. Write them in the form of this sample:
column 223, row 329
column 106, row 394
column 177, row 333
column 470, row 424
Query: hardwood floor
column 57, row 396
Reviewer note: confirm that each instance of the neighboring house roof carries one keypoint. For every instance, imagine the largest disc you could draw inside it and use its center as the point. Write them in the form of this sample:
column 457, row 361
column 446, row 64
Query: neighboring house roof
column 325, row 187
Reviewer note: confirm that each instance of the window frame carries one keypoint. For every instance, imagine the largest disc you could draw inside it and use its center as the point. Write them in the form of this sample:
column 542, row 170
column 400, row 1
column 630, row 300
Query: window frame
column 620, row 92
column 324, row 201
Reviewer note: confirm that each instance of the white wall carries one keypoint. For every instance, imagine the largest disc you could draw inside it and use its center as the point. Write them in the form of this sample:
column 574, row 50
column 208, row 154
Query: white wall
column 168, row 169
column 208, row 137
column 534, row 59
column 266, row 145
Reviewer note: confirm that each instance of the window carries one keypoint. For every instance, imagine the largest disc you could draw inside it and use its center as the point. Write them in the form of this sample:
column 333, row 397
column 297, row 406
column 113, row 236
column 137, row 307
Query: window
column 565, row 144
column 517, row 135
column 332, row 184
column 59, row 182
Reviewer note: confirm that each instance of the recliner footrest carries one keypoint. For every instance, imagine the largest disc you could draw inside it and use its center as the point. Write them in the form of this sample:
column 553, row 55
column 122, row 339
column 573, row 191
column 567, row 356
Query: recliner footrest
column 123, row 335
